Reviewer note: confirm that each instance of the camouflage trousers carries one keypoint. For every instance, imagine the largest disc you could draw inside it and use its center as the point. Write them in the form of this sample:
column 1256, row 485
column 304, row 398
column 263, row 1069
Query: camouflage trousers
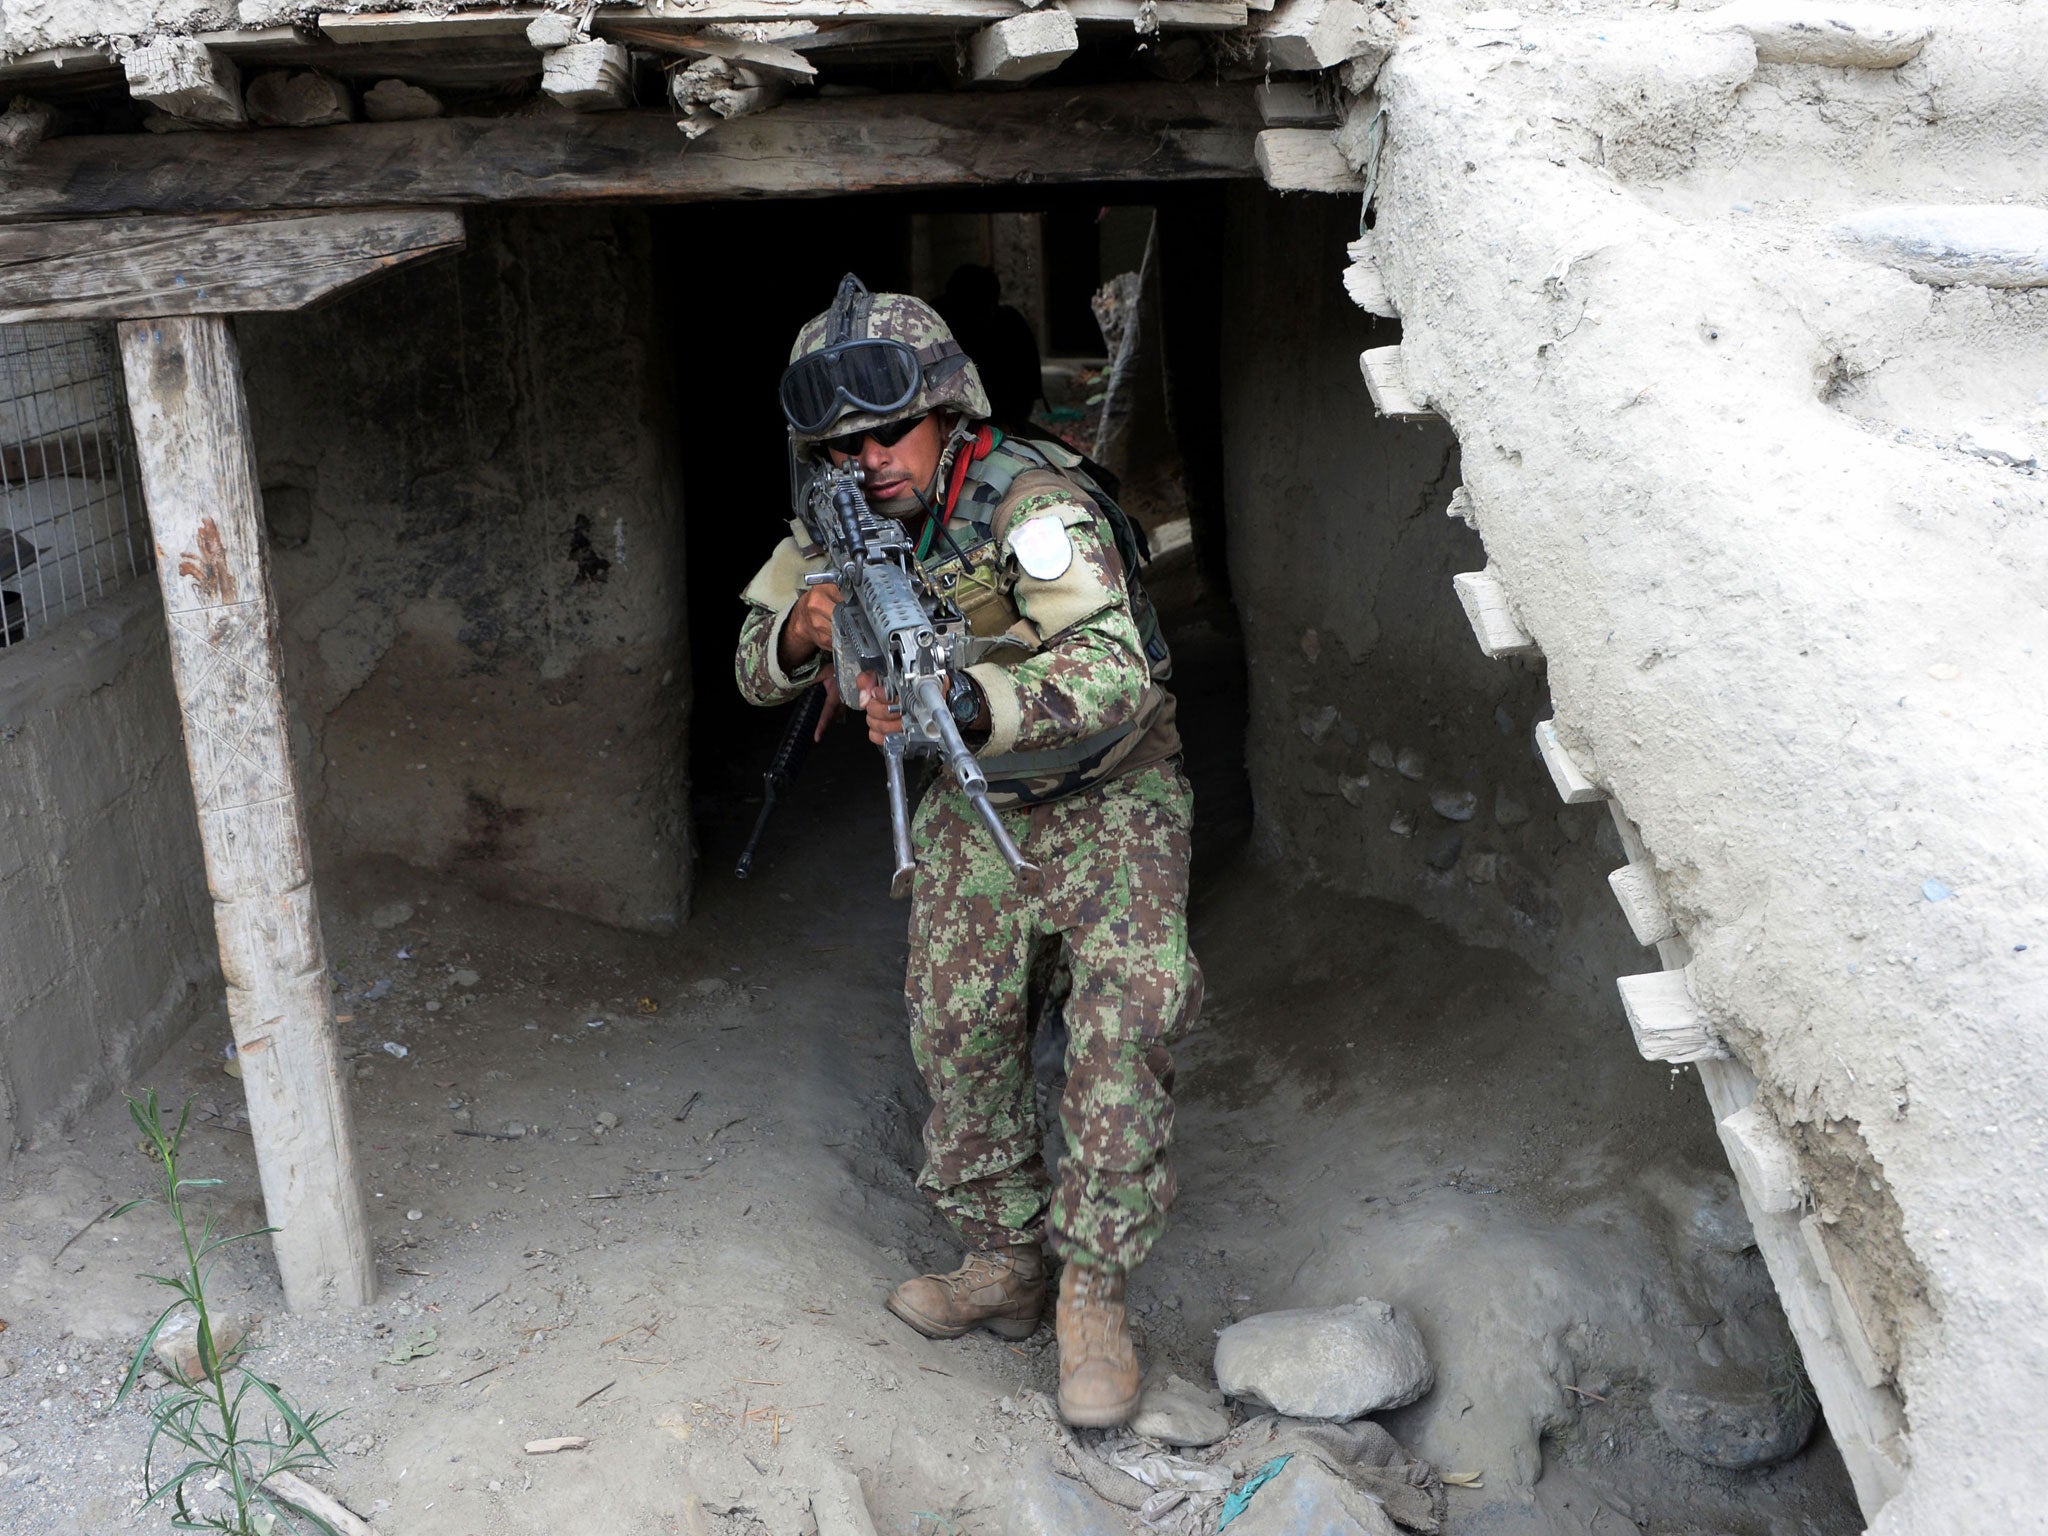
column 1116, row 866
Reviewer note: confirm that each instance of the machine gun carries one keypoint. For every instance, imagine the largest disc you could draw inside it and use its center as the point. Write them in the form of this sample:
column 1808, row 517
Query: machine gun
column 892, row 624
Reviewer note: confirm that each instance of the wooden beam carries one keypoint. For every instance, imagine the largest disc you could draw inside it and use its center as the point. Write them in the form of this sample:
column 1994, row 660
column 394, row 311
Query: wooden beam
column 423, row 26
column 1386, row 381
column 1316, row 34
column 1666, row 1019
column 775, row 59
column 1635, row 891
column 1150, row 132
column 1304, row 160
column 188, row 80
column 125, row 269
column 1574, row 785
column 1492, row 617
column 962, row 15
column 191, row 422
column 1023, row 48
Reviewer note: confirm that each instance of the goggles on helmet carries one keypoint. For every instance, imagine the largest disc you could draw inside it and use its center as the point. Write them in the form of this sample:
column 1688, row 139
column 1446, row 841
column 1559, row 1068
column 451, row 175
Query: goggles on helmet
column 865, row 375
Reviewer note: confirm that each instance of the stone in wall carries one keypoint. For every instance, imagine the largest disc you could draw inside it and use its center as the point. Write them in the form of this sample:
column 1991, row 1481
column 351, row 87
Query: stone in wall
column 477, row 533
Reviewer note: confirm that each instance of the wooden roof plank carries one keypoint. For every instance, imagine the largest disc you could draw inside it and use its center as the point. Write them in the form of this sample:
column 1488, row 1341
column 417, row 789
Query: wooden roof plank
column 142, row 268
column 1151, row 132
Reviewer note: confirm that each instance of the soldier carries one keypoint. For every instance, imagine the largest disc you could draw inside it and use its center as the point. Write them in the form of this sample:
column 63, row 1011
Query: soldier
column 1079, row 745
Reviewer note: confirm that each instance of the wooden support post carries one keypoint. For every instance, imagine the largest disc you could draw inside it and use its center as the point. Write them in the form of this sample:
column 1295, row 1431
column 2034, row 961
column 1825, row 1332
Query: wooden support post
column 191, row 424
column 1022, row 48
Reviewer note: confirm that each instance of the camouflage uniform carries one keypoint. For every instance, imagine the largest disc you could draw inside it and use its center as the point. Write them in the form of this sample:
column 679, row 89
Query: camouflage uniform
column 1083, row 759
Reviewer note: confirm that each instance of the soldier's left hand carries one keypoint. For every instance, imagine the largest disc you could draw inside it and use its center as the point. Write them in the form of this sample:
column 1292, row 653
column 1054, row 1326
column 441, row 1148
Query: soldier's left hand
column 884, row 718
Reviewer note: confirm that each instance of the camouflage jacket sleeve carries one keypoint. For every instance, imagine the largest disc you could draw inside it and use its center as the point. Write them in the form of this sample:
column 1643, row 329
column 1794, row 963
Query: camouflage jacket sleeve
column 769, row 597
column 1089, row 673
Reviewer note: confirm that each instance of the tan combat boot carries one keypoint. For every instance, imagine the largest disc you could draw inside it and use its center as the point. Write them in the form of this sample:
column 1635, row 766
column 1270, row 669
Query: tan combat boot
column 1098, row 1366
column 1002, row 1290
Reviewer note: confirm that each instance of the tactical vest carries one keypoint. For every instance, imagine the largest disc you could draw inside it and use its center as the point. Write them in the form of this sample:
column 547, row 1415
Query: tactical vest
column 969, row 570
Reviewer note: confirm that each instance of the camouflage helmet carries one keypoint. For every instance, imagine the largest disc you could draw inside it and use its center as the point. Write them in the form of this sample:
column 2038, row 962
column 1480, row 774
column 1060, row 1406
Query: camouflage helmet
column 947, row 376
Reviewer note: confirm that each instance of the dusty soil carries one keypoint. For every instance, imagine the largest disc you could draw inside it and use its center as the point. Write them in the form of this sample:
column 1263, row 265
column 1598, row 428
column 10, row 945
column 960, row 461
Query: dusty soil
column 1370, row 1107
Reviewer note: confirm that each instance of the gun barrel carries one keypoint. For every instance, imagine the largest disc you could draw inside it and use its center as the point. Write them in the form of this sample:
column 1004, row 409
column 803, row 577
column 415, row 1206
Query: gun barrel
column 931, row 702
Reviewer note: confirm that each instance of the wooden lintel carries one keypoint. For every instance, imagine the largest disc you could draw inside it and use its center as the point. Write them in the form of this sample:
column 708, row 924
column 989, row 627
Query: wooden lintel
column 135, row 268
column 419, row 26
column 1151, row 132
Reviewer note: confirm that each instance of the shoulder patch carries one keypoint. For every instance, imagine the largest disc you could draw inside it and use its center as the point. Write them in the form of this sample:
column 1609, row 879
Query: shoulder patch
column 1042, row 548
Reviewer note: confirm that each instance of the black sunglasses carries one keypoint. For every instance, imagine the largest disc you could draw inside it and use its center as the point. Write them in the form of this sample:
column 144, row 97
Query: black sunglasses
column 888, row 436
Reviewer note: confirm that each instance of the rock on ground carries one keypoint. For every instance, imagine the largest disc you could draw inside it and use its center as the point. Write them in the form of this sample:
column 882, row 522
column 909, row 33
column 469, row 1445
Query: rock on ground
column 1325, row 1362
column 1752, row 1428
column 177, row 1345
column 1043, row 1503
column 1307, row 1499
column 1175, row 1411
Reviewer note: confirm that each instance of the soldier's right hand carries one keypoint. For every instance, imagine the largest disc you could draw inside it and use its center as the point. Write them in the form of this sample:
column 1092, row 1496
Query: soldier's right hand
column 808, row 629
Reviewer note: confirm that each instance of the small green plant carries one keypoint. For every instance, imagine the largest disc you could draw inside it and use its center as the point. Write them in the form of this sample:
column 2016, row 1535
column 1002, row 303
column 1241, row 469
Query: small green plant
column 1790, row 1387
column 230, row 1442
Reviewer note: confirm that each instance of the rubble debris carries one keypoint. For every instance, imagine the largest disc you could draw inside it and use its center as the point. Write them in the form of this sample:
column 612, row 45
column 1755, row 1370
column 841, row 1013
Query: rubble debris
column 1303, row 1495
column 1453, row 804
column 838, row 1506
column 298, row 98
column 177, row 1343
column 1363, row 1454
column 322, row 1506
column 26, row 123
column 1325, row 1362
column 1842, row 36
column 1174, row 1411
column 558, row 1443
column 396, row 101
column 391, row 914
column 1751, row 1426
column 1043, row 1503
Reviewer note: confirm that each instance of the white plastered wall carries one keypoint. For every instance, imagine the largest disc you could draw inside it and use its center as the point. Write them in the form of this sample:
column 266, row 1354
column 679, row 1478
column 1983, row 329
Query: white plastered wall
column 1722, row 466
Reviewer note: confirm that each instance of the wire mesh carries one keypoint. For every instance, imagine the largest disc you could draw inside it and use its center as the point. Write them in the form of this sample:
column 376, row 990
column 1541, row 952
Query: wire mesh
column 72, row 526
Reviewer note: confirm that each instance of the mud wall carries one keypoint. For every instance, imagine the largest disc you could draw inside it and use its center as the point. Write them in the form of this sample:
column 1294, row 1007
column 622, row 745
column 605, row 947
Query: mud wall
column 1793, row 624
column 106, row 933
column 1388, row 755
column 476, row 540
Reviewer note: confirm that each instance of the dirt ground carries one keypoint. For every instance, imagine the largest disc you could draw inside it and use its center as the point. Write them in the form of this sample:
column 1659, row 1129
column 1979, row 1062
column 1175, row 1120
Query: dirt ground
column 682, row 1251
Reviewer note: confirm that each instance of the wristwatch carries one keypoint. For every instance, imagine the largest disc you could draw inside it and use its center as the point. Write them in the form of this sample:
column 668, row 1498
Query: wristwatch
column 963, row 698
